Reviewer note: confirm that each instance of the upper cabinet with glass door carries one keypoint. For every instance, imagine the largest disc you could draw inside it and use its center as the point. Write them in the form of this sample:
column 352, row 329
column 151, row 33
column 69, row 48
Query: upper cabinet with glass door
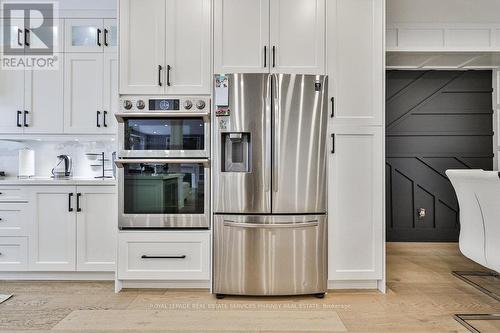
column 90, row 35
column 277, row 36
column 23, row 39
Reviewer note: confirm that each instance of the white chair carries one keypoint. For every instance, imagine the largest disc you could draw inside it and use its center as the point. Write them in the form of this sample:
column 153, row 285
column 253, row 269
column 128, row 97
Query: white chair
column 478, row 194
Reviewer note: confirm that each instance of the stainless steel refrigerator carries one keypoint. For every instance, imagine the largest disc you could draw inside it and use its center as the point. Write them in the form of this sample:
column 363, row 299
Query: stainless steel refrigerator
column 269, row 189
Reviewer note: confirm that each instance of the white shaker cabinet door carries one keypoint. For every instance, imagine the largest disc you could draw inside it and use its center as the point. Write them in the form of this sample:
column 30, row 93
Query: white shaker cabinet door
column 97, row 225
column 11, row 100
column 355, row 208
column 83, row 89
column 142, row 46
column 298, row 36
column 52, row 241
column 110, row 36
column 355, row 37
column 241, row 36
column 188, row 47
column 84, row 35
column 110, row 93
column 44, row 99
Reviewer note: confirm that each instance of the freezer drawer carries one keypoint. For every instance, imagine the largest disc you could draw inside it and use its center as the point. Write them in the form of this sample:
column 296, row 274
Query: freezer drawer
column 270, row 255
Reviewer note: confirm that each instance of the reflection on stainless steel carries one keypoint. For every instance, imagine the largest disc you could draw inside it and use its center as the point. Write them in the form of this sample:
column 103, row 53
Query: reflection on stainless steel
column 270, row 255
column 280, row 121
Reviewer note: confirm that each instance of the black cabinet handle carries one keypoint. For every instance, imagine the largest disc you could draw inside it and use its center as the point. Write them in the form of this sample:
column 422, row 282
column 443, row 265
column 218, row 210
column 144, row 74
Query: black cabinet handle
column 97, row 119
column 159, row 75
column 19, row 42
column 163, row 257
column 25, row 119
column 78, row 195
column 106, row 37
column 26, row 37
column 98, row 37
column 333, row 107
column 70, row 195
column 104, row 113
column 19, row 121
column 333, row 143
column 168, row 75
column 0, row 219
column 274, row 56
column 265, row 56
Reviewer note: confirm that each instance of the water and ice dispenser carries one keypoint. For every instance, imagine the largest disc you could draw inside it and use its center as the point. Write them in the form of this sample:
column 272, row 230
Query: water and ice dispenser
column 236, row 152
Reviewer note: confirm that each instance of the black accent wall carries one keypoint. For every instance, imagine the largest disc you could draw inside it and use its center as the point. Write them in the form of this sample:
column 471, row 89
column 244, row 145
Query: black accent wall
column 435, row 120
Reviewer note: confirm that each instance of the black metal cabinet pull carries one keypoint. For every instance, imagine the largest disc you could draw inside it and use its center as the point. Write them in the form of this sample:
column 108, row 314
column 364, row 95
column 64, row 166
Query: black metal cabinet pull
column 97, row 119
column 78, row 208
column 70, row 195
column 333, row 143
column 104, row 113
column 332, row 115
column 19, row 121
column 159, row 75
column 27, row 37
column 168, row 75
column 19, row 42
column 98, row 37
column 265, row 56
column 163, row 257
column 25, row 119
column 274, row 56
column 106, row 37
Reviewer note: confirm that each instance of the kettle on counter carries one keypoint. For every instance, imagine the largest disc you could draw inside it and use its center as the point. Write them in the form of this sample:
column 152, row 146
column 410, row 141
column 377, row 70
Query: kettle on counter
column 63, row 170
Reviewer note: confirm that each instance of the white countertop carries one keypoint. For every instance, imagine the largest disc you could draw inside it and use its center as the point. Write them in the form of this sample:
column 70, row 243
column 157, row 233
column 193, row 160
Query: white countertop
column 52, row 181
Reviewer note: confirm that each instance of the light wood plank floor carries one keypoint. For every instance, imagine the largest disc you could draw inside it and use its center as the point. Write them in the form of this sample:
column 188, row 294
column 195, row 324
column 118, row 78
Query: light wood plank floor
column 422, row 297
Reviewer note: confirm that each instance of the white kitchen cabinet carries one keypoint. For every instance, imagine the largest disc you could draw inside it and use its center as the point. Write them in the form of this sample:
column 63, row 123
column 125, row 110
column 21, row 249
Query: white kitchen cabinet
column 355, row 38
column 297, row 36
column 142, row 46
column 110, row 37
column 110, row 93
column 84, row 35
column 165, row 56
column 96, row 221
column 53, row 235
column 11, row 100
column 188, row 47
column 355, row 204
column 281, row 36
column 241, row 30
column 14, row 219
column 43, row 100
column 13, row 254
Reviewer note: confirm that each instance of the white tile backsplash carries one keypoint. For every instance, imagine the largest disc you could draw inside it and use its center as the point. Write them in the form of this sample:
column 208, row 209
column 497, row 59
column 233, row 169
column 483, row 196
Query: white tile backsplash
column 46, row 156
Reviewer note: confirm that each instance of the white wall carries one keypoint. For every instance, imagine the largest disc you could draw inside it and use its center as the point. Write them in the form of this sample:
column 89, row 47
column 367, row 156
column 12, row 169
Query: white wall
column 46, row 152
column 443, row 11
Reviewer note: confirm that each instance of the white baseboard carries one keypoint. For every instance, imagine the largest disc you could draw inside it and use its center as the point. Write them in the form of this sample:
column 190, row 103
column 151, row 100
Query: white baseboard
column 47, row 276
column 123, row 284
column 353, row 284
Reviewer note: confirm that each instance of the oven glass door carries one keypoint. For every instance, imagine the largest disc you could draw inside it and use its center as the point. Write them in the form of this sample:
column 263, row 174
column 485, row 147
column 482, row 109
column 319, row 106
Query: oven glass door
column 158, row 194
column 164, row 136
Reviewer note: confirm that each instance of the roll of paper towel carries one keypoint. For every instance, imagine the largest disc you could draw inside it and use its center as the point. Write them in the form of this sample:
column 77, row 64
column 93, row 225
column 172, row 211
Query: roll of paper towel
column 26, row 163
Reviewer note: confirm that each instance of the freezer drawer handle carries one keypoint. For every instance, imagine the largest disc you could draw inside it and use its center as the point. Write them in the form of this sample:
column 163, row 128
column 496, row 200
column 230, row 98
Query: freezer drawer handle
column 144, row 256
column 121, row 162
column 228, row 223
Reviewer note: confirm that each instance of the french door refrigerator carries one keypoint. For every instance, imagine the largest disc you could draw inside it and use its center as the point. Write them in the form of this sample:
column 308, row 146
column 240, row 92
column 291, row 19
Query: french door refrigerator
column 269, row 190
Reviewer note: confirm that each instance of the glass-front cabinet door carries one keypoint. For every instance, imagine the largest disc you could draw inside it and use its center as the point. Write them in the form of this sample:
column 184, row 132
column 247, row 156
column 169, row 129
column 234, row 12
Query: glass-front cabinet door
column 169, row 193
column 84, row 35
column 110, row 35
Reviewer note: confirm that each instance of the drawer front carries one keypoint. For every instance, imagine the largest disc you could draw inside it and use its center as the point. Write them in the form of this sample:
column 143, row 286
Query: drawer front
column 164, row 256
column 8, row 193
column 13, row 253
column 13, row 219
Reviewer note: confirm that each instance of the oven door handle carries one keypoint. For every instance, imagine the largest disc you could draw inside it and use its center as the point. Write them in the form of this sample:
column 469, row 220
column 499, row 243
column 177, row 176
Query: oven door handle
column 121, row 162
column 172, row 114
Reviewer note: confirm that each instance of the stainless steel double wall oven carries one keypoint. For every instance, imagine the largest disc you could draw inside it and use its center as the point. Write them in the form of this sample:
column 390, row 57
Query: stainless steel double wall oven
column 163, row 161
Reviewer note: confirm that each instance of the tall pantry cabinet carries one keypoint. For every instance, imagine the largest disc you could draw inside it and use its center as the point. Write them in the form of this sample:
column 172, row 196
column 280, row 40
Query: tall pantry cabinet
column 355, row 65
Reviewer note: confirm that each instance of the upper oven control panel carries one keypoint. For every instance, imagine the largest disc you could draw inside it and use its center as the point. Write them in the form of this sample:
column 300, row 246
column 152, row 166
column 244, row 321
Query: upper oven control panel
column 164, row 103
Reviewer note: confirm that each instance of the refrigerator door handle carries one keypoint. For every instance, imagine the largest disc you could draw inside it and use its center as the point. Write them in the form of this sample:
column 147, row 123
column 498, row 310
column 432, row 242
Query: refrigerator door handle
column 277, row 132
column 228, row 223
column 267, row 148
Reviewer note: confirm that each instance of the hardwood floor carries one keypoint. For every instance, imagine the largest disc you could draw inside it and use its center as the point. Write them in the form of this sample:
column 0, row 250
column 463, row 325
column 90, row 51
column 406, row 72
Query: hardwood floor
column 422, row 296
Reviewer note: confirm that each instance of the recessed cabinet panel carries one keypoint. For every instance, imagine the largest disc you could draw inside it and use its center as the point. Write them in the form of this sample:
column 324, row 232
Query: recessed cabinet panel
column 142, row 46
column 11, row 100
column 297, row 36
column 356, row 205
column 241, row 43
column 188, row 47
column 83, row 93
